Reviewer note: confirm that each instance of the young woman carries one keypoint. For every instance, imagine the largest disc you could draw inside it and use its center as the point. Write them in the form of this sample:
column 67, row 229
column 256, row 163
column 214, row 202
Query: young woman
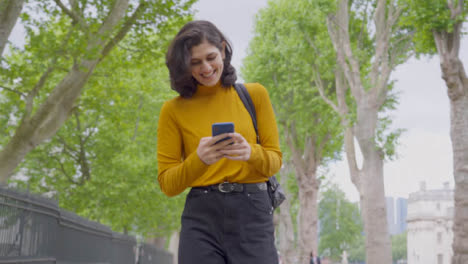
column 228, row 214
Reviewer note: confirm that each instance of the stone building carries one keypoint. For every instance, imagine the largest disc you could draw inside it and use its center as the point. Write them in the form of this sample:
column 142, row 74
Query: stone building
column 429, row 226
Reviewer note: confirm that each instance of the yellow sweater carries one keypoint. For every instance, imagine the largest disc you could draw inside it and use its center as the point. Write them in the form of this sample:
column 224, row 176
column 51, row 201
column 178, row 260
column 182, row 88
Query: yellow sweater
column 184, row 121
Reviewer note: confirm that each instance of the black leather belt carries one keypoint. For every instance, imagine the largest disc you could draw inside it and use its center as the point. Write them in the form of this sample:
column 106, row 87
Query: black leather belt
column 227, row 187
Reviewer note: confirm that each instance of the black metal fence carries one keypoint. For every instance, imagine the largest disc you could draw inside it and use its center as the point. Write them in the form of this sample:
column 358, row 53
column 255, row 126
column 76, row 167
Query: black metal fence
column 34, row 229
column 150, row 254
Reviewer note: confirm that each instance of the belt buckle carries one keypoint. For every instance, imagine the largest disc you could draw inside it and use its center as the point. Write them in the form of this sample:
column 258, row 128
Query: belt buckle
column 226, row 187
column 262, row 186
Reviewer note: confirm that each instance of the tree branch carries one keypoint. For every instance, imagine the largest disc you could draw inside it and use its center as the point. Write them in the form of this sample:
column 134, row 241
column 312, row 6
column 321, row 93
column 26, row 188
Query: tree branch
column 335, row 37
column 83, row 161
column 311, row 43
column 341, row 87
column 124, row 30
column 318, row 79
column 394, row 16
column 438, row 42
column 363, row 26
column 292, row 145
column 65, row 145
column 347, row 124
column 351, row 157
column 94, row 124
column 75, row 6
column 294, row 136
column 321, row 147
column 64, row 171
column 12, row 90
column 35, row 91
column 115, row 15
column 309, row 154
column 75, row 17
column 382, row 33
column 339, row 34
column 321, row 89
column 9, row 13
column 394, row 56
column 455, row 37
column 455, row 10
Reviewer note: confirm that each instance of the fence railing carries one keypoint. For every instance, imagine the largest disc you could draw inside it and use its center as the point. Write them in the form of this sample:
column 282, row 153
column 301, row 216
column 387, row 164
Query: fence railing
column 33, row 229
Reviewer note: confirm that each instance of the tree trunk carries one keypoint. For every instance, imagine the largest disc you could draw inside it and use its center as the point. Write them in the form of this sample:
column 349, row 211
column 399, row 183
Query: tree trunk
column 308, row 215
column 371, row 188
column 305, row 165
column 285, row 227
column 453, row 72
column 158, row 242
column 174, row 246
column 459, row 136
column 9, row 13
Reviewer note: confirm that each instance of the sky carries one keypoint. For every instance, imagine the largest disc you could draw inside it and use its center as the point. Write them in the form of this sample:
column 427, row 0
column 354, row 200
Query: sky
column 424, row 150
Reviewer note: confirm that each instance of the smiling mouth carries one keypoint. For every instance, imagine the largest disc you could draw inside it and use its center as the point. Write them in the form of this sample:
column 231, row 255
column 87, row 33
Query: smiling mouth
column 209, row 75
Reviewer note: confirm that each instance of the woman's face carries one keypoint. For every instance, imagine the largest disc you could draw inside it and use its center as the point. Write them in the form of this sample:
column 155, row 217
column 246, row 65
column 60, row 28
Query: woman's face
column 207, row 63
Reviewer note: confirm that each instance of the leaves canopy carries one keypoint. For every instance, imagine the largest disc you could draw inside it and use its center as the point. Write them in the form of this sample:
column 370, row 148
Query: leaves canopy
column 426, row 16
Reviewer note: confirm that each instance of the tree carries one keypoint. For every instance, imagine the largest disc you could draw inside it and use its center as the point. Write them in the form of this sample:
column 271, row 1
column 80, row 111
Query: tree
column 71, row 40
column 101, row 162
column 399, row 247
column 365, row 61
column 278, row 59
column 438, row 25
column 9, row 13
column 340, row 221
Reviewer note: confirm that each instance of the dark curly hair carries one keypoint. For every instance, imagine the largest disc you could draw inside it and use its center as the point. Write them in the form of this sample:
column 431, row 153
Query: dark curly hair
column 179, row 54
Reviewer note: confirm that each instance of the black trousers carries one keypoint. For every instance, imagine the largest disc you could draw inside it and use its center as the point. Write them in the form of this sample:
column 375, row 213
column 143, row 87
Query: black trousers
column 227, row 228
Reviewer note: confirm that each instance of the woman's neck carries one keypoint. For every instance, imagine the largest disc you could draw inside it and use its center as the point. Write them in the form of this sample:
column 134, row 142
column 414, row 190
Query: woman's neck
column 208, row 90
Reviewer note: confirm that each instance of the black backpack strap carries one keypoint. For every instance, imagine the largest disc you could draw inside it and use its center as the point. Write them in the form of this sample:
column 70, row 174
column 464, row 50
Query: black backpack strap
column 248, row 103
column 275, row 191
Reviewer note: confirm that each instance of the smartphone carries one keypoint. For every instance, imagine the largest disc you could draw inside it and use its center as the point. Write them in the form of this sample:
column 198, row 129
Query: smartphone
column 221, row 128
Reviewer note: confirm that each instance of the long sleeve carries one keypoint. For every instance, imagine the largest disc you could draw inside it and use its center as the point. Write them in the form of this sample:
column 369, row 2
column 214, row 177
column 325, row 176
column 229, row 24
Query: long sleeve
column 266, row 157
column 175, row 173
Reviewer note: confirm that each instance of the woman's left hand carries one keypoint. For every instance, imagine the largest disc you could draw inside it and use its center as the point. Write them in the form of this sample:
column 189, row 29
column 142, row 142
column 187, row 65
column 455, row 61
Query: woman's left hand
column 240, row 150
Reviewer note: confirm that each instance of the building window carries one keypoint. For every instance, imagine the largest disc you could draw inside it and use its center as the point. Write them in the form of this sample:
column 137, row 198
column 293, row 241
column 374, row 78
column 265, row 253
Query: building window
column 440, row 259
column 439, row 237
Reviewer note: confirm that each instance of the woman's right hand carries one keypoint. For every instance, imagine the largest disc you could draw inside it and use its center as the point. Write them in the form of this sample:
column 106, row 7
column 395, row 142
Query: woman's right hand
column 208, row 151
